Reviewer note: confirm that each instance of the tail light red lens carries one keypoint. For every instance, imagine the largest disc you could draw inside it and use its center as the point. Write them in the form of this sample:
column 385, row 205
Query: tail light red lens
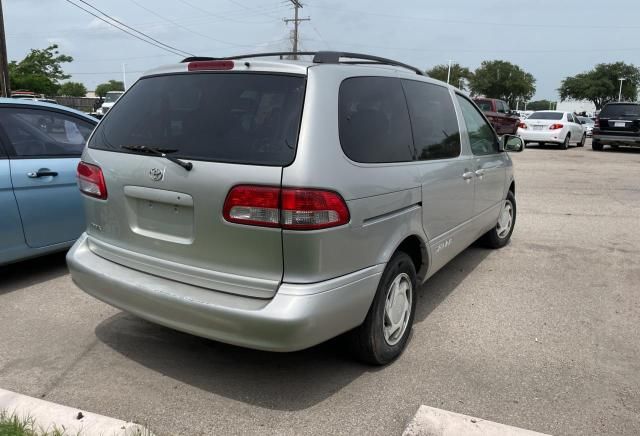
column 556, row 126
column 522, row 126
column 308, row 209
column 210, row 65
column 287, row 208
column 253, row 205
column 596, row 123
column 91, row 181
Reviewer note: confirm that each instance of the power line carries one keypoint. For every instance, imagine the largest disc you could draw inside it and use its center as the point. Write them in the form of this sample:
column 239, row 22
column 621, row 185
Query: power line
column 227, row 18
column 484, row 23
column 151, row 11
column 131, row 28
column 176, row 52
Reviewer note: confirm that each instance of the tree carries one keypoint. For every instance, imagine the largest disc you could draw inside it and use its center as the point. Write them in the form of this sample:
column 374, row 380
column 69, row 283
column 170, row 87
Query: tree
column 72, row 89
column 540, row 105
column 601, row 85
column 503, row 80
column 40, row 71
column 111, row 85
column 459, row 74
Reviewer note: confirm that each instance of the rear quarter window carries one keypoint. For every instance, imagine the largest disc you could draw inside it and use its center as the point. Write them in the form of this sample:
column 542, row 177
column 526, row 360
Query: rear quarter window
column 246, row 118
column 374, row 121
column 433, row 119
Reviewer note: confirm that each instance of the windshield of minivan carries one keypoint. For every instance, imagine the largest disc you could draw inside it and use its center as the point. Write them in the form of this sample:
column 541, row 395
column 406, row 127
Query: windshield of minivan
column 621, row 110
column 244, row 118
column 546, row 116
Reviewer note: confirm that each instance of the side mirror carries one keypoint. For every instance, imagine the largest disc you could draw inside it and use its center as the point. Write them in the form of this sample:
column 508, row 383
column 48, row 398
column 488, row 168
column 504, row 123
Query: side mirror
column 511, row 143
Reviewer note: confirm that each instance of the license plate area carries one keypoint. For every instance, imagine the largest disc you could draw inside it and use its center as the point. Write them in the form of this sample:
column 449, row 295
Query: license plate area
column 537, row 127
column 158, row 214
column 619, row 124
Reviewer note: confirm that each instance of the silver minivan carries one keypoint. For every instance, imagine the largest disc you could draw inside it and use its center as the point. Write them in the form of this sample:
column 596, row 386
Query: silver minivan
column 274, row 204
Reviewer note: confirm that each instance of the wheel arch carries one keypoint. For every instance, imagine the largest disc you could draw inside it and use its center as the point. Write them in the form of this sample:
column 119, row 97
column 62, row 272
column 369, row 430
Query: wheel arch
column 416, row 248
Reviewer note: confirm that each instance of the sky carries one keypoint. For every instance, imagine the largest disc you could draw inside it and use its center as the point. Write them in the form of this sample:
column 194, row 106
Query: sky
column 551, row 39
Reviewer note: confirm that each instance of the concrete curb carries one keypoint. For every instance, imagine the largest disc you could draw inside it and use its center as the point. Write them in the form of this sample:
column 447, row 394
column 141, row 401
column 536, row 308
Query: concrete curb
column 48, row 415
column 430, row 421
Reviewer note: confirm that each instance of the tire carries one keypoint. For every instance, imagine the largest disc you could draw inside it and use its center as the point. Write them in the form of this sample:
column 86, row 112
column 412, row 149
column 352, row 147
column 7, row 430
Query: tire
column 371, row 341
column 596, row 146
column 565, row 144
column 497, row 237
column 584, row 139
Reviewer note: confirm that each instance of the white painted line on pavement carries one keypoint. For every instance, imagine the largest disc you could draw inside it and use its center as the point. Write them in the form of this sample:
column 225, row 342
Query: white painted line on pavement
column 47, row 415
column 430, row 421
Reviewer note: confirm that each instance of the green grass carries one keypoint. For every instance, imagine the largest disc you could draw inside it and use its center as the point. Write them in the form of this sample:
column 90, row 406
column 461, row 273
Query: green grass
column 13, row 425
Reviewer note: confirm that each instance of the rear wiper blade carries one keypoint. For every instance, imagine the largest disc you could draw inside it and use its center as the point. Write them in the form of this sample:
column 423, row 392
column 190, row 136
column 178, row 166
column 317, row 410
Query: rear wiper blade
column 162, row 152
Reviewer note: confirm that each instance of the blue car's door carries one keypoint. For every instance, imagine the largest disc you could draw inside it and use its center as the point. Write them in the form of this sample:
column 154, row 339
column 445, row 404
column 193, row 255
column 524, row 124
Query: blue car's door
column 44, row 147
column 11, row 236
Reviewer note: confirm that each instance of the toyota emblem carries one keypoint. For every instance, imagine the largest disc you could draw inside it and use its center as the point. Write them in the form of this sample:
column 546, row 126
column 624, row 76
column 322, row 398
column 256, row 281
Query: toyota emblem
column 156, row 174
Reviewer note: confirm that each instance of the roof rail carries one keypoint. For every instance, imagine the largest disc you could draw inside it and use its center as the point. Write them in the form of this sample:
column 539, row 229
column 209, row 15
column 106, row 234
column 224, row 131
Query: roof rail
column 319, row 57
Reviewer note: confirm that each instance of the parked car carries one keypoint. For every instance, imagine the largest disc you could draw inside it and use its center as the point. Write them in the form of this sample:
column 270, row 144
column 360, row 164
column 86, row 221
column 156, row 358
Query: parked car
column 552, row 127
column 617, row 124
column 277, row 204
column 109, row 100
column 497, row 111
column 588, row 124
column 40, row 147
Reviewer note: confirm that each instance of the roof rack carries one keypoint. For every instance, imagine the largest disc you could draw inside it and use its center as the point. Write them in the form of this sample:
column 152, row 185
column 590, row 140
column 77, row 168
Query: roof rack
column 319, row 57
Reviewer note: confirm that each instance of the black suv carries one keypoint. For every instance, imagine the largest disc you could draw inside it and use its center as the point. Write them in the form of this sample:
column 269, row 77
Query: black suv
column 617, row 124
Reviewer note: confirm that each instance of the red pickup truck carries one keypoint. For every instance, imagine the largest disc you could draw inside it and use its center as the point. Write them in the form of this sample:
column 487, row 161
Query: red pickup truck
column 498, row 113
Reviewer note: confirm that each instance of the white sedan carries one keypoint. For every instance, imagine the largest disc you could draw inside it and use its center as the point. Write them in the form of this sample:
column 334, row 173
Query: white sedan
column 553, row 127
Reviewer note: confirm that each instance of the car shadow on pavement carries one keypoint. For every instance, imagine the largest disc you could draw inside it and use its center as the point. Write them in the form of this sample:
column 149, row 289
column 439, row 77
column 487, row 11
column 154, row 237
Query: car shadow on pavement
column 30, row 272
column 279, row 381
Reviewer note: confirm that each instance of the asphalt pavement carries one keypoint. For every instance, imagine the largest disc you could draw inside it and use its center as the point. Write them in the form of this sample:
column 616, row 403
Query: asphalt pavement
column 543, row 334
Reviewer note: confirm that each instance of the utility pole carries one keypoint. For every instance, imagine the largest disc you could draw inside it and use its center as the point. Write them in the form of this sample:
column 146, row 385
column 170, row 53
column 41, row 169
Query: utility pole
column 296, row 21
column 124, row 76
column 5, row 91
column 449, row 71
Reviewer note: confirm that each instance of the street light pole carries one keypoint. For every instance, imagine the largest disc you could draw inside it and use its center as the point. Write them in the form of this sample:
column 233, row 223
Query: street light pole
column 620, row 94
column 449, row 71
column 5, row 90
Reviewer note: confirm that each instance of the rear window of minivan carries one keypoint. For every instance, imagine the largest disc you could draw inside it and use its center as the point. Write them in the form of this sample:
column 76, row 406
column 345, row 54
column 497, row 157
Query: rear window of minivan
column 621, row 110
column 245, row 118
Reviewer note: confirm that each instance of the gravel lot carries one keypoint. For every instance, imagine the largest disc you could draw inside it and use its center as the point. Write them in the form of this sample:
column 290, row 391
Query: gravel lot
column 544, row 334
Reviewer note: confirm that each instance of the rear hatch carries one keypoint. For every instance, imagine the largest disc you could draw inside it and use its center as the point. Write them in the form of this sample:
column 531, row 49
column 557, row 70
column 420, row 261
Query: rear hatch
column 235, row 128
column 620, row 119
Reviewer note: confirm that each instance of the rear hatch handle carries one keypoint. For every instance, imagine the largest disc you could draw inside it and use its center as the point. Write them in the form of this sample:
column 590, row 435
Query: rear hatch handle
column 162, row 152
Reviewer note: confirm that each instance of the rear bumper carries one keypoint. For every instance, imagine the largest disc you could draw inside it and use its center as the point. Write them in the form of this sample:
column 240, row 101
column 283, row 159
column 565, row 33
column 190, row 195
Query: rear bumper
column 297, row 317
column 617, row 140
column 541, row 135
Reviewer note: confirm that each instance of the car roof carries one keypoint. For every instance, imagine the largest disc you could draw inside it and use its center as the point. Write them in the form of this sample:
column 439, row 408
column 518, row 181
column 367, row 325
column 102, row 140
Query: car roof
column 44, row 105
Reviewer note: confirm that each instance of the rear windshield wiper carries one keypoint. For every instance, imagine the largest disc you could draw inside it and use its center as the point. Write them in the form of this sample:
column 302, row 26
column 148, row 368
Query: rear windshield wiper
column 162, row 152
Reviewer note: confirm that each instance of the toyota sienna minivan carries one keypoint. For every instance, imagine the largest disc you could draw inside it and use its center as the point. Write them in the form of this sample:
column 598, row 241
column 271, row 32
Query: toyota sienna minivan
column 274, row 204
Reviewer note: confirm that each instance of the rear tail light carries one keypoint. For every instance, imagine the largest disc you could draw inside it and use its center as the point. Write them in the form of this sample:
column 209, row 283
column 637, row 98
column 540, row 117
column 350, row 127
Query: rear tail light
column 210, row 65
column 556, row 126
column 91, row 181
column 287, row 208
column 596, row 123
column 522, row 126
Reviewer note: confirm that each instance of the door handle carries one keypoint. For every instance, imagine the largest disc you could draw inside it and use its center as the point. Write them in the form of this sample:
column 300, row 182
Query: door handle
column 480, row 173
column 42, row 173
column 467, row 175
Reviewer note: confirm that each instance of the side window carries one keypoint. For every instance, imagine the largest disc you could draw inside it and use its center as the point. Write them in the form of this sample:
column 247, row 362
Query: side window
column 374, row 120
column 505, row 107
column 500, row 107
column 433, row 119
column 37, row 132
column 481, row 136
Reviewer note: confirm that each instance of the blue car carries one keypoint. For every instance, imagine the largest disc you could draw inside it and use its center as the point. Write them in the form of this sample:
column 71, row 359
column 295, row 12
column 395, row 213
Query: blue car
column 40, row 206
